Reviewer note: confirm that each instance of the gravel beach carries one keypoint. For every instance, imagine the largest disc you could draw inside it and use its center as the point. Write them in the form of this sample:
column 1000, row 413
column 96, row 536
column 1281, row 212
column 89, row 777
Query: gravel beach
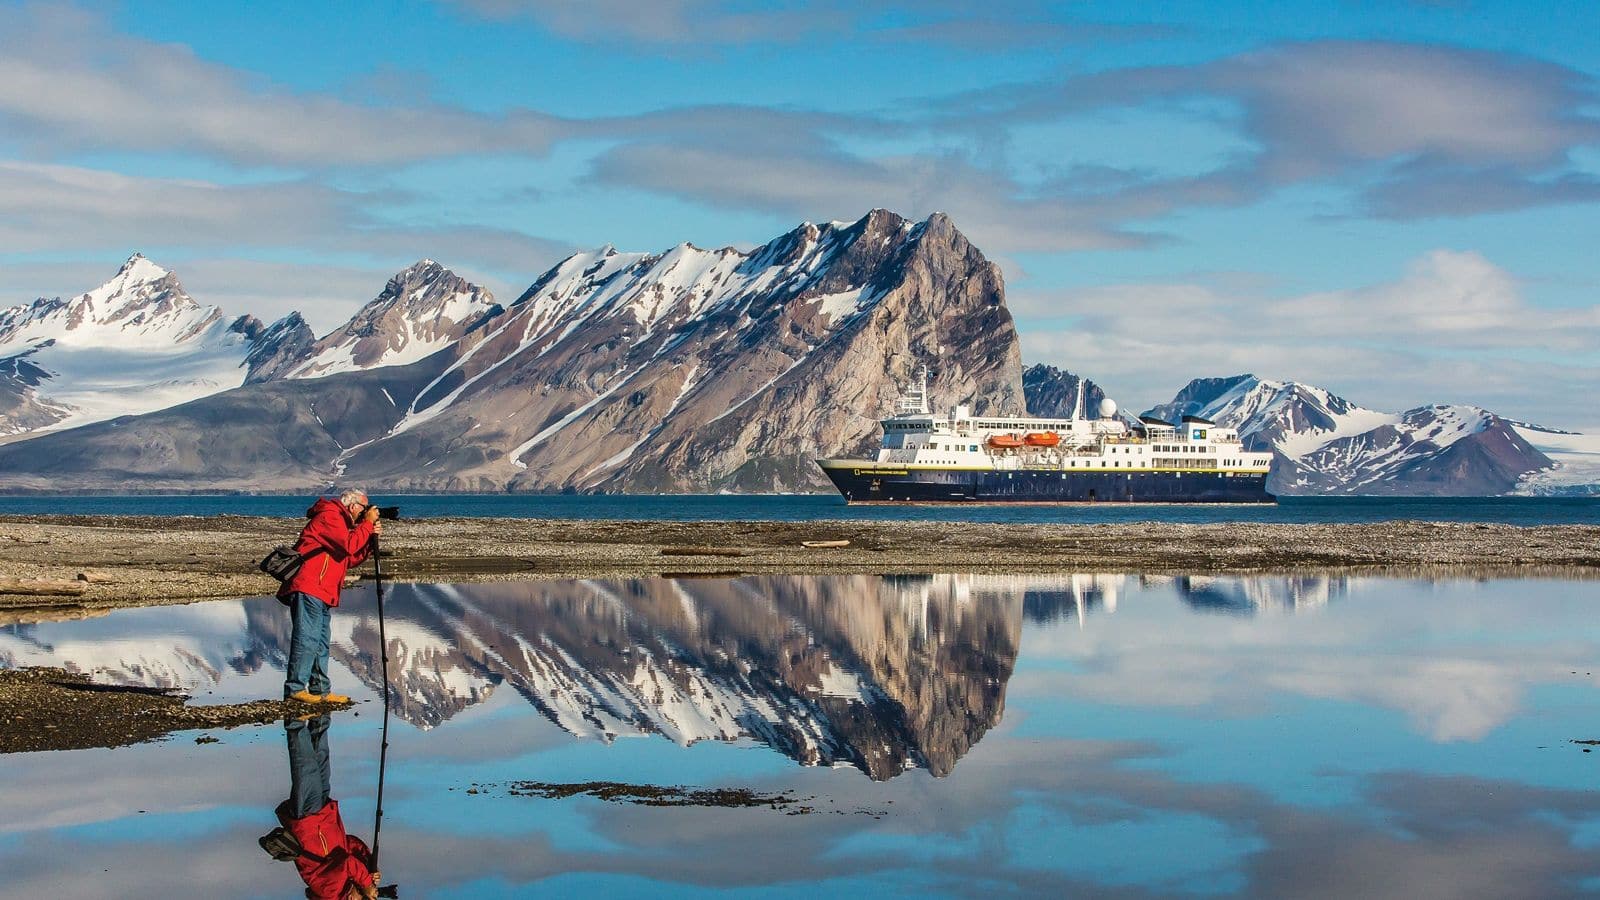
column 146, row 560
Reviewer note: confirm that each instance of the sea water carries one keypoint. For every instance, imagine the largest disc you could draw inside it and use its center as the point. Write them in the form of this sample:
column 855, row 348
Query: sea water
column 805, row 507
column 1072, row 734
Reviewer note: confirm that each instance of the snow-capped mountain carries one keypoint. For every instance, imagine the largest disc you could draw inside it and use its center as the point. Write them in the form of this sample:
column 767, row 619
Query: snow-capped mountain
column 690, row 369
column 139, row 343
column 135, row 344
column 695, row 369
column 1323, row 443
column 423, row 309
column 686, row 370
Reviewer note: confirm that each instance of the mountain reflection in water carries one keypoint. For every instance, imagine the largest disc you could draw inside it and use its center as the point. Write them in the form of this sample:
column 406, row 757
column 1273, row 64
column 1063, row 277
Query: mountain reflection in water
column 882, row 673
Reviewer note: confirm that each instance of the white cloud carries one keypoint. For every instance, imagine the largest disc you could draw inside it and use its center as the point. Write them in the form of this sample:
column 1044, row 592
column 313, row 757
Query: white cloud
column 1333, row 102
column 700, row 23
column 1415, row 130
column 68, row 82
column 991, row 208
column 48, row 208
column 1453, row 328
column 57, row 210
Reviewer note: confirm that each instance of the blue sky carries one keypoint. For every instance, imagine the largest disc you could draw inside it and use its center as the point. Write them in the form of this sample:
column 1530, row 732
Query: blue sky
column 1397, row 201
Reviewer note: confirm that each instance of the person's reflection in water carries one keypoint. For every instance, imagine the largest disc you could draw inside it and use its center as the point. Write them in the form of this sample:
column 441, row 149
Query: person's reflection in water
column 334, row 864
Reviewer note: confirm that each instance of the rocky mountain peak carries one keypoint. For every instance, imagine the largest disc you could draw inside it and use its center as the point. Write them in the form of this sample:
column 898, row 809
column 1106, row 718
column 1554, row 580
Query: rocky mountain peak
column 422, row 309
column 700, row 369
column 1053, row 392
column 137, row 343
column 1323, row 443
column 142, row 305
column 277, row 349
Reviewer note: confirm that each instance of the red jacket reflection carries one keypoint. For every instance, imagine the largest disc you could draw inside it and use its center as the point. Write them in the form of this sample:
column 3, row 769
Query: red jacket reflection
column 345, row 857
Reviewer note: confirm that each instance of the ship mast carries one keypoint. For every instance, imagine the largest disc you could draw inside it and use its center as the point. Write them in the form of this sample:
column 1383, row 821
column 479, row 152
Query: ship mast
column 915, row 400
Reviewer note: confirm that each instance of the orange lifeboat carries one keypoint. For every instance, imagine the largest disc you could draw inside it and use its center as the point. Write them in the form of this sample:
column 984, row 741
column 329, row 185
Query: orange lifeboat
column 1041, row 439
column 1004, row 441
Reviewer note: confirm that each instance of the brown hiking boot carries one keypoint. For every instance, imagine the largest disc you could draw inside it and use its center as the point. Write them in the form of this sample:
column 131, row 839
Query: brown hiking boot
column 334, row 698
column 304, row 697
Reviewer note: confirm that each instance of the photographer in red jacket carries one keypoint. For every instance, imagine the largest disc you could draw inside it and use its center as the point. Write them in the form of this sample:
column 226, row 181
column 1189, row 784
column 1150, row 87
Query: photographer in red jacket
column 338, row 536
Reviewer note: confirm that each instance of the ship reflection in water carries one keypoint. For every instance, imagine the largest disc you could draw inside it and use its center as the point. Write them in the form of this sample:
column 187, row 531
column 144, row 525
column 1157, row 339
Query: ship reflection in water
column 1060, row 734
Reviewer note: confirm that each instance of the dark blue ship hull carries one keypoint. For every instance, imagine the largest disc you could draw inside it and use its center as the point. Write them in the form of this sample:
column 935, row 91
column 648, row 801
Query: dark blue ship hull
column 873, row 483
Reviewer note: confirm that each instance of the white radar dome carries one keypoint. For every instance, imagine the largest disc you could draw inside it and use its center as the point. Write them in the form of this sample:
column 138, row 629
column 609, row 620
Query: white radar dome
column 1108, row 408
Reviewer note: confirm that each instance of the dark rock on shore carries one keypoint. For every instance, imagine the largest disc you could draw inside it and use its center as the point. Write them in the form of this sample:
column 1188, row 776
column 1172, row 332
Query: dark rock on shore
column 52, row 709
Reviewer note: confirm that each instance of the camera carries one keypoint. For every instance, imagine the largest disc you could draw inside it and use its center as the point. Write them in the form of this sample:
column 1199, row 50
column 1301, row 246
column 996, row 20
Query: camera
column 392, row 513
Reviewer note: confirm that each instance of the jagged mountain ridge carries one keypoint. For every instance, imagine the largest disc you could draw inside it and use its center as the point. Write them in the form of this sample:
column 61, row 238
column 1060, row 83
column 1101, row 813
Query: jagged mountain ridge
column 686, row 370
column 1324, row 444
column 137, row 343
column 1054, row 393
column 710, row 369
column 423, row 309
column 140, row 343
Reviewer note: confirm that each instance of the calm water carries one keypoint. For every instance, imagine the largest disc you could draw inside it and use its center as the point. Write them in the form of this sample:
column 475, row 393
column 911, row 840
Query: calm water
column 768, row 507
column 953, row 735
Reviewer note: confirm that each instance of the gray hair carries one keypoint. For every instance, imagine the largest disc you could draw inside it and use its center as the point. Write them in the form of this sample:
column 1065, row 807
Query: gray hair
column 353, row 495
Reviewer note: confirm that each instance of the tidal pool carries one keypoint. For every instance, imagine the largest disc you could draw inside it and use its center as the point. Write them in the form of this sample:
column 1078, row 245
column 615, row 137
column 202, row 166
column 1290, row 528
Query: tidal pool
column 1073, row 734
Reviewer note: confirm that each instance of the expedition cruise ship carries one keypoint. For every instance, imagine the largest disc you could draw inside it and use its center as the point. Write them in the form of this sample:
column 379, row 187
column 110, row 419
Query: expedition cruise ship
column 962, row 458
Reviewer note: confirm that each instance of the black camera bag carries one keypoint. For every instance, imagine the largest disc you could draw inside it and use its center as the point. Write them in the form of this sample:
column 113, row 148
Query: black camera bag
column 282, row 563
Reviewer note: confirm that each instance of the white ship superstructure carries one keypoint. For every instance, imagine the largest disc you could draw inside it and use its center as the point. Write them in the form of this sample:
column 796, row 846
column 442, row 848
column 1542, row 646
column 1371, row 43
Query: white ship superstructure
column 918, row 440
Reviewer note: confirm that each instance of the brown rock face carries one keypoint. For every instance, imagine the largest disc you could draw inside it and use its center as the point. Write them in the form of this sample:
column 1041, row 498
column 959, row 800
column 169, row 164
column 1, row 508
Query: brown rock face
column 275, row 349
column 422, row 310
column 1053, row 392
column 710, row 370
column 689, row 370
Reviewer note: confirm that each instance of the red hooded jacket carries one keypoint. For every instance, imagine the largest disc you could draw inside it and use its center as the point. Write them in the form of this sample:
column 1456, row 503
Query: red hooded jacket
column 345, row 857
column 343, row 544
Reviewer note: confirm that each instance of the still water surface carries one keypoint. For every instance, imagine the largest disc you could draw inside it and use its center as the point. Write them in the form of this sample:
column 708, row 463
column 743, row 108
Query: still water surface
column 951, row 735
column 808, row 507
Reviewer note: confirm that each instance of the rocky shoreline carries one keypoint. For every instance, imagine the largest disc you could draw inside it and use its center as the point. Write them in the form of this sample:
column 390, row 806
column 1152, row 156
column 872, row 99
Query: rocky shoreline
column 52, row 709
column 149, row 560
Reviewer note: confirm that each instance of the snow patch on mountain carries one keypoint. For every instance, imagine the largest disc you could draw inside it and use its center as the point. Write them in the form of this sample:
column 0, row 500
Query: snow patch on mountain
column 136, row 344
column 1323, row 443
column 423, row 309
column 1576, row 459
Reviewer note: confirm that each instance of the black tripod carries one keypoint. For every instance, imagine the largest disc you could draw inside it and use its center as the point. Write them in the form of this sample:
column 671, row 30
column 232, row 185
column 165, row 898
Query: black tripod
column 383, row 745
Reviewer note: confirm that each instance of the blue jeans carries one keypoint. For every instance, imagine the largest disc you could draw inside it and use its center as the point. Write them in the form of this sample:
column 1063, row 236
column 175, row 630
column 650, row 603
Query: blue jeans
column 309, row 771
column 308, row 645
